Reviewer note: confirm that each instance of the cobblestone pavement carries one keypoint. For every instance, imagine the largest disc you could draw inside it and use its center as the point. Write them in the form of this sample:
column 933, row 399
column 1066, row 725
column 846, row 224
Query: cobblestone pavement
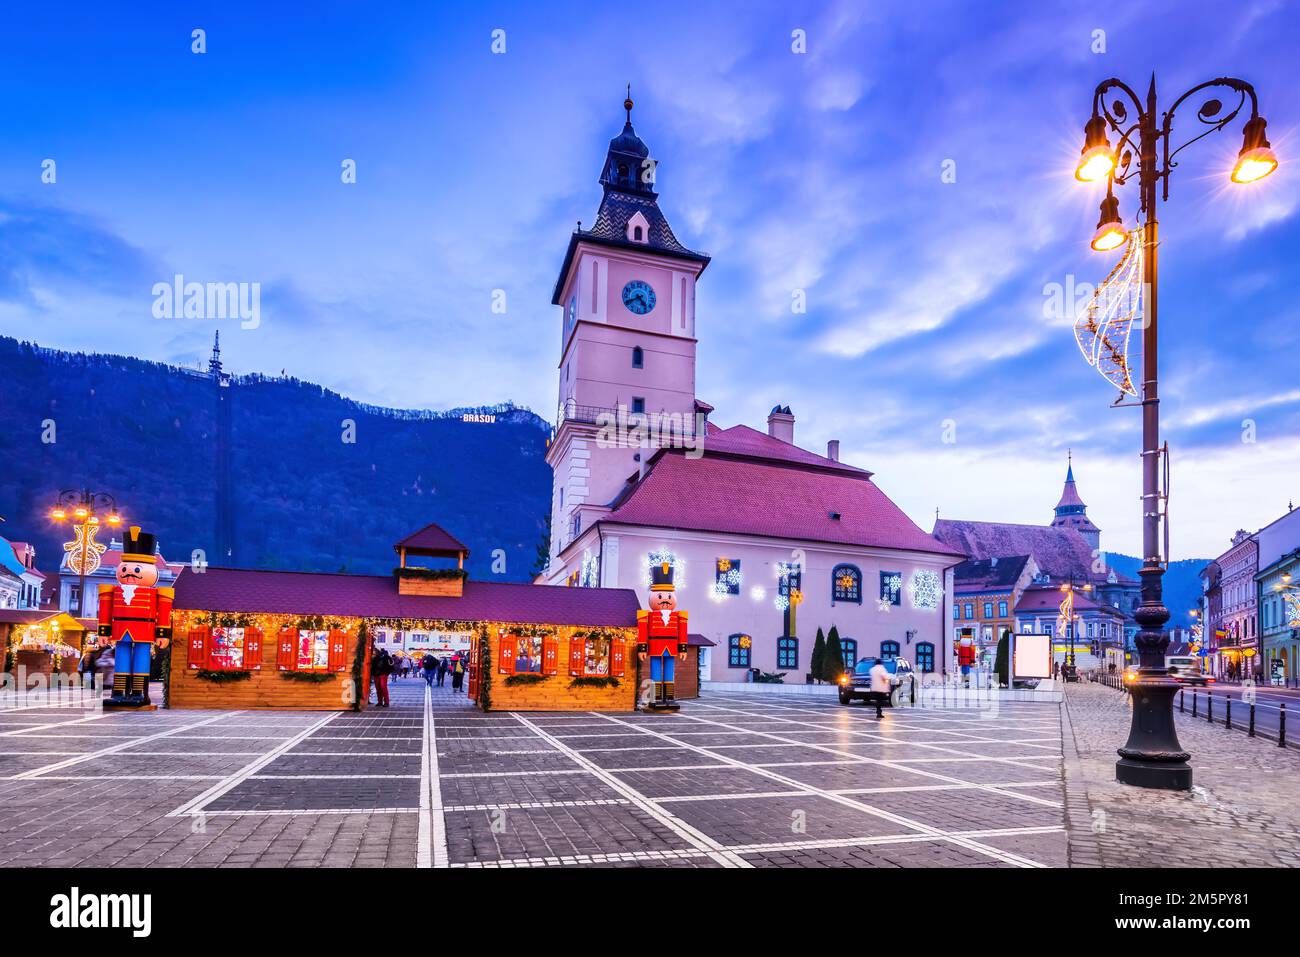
column 1243, row 811
column 730, row 781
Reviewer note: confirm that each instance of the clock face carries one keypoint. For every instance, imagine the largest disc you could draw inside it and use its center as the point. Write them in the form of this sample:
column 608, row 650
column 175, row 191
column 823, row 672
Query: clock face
column 638, row 297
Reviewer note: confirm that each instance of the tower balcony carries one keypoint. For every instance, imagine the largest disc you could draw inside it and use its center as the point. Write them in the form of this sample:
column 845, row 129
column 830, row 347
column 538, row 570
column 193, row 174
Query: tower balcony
column 661, row 424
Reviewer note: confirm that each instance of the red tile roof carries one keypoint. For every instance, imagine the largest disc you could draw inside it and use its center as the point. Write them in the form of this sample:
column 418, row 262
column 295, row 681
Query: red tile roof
column 777, row 498
column 743, row 441
column 375, row 596
column 432, row 539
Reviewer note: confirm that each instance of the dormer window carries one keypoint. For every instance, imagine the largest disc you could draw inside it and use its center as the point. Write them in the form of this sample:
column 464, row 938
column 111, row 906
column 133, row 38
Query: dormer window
column 638, row 228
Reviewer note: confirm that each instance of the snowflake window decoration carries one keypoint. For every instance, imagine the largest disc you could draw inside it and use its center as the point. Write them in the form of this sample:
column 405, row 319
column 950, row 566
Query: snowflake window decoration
column 658, row 557
column 926, row 589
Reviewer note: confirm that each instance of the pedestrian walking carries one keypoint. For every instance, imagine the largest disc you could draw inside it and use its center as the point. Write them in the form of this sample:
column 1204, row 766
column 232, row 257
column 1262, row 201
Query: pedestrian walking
column 442, row 671
column 87, row 668
column 430, row 667
column 381, row 666
column 880, row 686
column 457, row 673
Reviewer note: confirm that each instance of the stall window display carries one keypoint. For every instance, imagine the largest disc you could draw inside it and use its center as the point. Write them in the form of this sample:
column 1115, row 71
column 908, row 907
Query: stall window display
column 528, row 654
column 596, row 657
column 227, row 649
column 313, row 650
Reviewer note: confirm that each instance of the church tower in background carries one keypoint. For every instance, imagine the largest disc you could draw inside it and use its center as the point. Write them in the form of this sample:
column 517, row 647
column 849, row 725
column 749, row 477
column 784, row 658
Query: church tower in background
column 1072, row 513
column 627, row 341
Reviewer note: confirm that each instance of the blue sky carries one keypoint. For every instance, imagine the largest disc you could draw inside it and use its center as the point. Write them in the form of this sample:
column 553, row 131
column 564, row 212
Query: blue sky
column 818, row 171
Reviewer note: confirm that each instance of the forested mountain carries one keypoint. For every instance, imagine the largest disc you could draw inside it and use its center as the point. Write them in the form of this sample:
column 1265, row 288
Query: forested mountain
column 1182, row 583
column 303, row 496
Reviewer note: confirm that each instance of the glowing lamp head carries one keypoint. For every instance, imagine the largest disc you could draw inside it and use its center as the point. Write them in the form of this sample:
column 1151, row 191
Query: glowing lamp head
column 58, row 514
column 114, row 519
column 1096, row 159
column 80, row 511
column 1110, row 233
column 1256, row 159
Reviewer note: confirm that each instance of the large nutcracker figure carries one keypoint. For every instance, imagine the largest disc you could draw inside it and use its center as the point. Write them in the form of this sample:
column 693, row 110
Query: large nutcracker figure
column 134, row 613
column 661, row 633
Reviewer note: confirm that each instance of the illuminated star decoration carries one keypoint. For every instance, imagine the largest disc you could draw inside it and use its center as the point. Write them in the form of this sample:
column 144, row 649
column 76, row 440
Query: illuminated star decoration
column 1102, row 332
column 1292, row 600
column 925, row 588
column 83, row 551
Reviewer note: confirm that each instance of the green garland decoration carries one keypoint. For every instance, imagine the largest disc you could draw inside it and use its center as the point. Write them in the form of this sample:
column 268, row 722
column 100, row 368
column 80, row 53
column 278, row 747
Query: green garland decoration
column 215, row 620
column 485, row 670
column 610, row 634
column 222, row 677
column 431, row 574
column 423, row 624
column 318, row 623
column 358, row 664
column 525, row 678
column 594, row 681
column 310, row 677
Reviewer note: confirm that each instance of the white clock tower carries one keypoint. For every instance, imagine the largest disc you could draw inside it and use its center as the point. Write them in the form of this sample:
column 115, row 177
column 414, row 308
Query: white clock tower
column 627, row 357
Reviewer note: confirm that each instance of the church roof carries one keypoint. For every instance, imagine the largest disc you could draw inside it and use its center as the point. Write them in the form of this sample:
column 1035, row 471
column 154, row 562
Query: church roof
column 1060, row 552
column 777, row 497
column 1069, row 494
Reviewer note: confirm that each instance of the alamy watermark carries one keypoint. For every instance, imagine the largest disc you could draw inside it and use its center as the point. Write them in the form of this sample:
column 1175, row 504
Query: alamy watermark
column 179, row 299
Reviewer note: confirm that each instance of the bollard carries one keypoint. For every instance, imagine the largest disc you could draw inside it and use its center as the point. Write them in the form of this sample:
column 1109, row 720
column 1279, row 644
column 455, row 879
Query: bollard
column 1181, row 693
column 1227, row 717
column 1193, row 702
column 1281, row 726
column 1252, row 719
column 1209, row 707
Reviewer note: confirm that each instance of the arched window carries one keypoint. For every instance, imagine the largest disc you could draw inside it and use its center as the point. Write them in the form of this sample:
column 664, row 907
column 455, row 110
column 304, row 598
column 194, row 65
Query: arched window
column 787, row 652
column 738, row 649
column 889, row 649
column 925, row 657
column 846, row 584
column 638, row 357
column 636, row 234
column 850, row 648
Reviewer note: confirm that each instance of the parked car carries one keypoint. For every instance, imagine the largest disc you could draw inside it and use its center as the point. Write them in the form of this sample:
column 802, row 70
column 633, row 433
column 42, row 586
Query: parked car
column 902, row 680
column 1187, row 669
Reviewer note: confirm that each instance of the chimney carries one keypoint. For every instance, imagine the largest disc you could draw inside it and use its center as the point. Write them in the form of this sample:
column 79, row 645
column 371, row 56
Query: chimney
column 780, row 424
column 833, row 450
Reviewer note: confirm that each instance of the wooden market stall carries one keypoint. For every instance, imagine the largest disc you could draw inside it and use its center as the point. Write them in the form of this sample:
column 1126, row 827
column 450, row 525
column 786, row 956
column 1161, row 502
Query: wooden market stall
column 266, row 639
column 40, row 642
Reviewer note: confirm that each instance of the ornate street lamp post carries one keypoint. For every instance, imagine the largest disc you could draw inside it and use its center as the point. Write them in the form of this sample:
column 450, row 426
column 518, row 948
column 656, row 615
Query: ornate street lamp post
column 83, row 506
column 1153, row 757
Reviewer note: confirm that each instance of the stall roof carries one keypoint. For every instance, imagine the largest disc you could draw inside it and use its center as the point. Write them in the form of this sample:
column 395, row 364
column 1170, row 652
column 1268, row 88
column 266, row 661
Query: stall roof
column 432, row 540
column 36, row 616
column 375, row 596
column 695, row 640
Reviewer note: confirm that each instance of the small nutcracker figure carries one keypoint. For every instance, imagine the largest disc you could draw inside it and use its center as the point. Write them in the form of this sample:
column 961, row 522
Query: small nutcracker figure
column 964, row 650
column 661, row 634
column 134, row 614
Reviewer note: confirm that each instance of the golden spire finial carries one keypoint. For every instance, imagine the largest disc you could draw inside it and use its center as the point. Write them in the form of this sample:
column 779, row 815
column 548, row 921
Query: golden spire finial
column 627, row 104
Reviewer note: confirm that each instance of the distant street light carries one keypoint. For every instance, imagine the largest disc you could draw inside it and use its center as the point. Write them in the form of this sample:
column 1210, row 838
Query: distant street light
column 83, row 551
column 1152, row 757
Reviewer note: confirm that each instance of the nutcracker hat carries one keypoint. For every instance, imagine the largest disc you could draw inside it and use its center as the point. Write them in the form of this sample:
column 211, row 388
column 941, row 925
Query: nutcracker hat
column 661, row 576
column 138, row 546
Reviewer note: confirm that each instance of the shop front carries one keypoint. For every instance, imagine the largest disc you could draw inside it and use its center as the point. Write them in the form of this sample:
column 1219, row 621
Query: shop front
column 264, row 639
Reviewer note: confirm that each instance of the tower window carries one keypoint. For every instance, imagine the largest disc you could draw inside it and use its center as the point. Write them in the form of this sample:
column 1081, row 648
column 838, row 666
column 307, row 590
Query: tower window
column 638, row 357
column 638, row 405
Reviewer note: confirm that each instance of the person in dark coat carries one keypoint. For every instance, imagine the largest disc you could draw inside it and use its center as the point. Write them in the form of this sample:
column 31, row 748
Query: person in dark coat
column 457, row 673
column 381, row 666
column 442, row 671
column 429, row 664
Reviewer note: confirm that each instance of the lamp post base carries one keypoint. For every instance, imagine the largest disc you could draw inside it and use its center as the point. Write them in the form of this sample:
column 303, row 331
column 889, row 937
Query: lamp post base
column 1152, row 757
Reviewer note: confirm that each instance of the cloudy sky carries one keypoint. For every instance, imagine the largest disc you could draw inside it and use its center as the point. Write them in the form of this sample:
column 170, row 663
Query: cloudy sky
column 819, row 171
